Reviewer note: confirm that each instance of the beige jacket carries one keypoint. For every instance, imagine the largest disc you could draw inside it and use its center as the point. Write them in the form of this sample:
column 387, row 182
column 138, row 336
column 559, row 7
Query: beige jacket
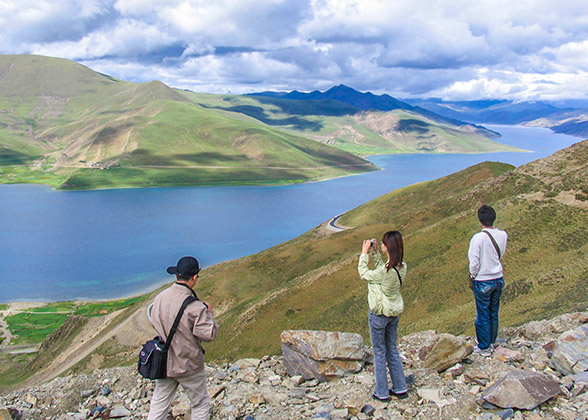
column 196, row 325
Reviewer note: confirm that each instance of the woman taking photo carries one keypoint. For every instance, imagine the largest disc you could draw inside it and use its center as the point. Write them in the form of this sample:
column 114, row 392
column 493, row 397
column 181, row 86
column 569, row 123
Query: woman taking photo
column 386, row 305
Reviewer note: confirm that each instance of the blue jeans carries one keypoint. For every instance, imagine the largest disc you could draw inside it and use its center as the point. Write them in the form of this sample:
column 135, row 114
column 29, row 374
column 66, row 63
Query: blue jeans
column 487, row 294
column 384, row 333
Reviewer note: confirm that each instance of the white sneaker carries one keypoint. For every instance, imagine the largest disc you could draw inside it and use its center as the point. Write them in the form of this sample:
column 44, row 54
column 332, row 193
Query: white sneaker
column 485, row 353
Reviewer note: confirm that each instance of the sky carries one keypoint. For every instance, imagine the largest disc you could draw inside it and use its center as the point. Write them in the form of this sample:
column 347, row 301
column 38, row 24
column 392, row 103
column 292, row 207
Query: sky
column 520, row 50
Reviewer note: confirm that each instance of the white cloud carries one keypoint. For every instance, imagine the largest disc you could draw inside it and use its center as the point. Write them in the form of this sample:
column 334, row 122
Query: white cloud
column 459, row 49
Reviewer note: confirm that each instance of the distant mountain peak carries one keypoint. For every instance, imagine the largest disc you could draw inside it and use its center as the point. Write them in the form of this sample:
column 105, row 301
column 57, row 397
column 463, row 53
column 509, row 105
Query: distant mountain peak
column 363, row 101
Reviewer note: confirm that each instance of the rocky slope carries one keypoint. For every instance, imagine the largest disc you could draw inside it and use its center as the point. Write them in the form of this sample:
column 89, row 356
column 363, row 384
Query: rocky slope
column 256, row 389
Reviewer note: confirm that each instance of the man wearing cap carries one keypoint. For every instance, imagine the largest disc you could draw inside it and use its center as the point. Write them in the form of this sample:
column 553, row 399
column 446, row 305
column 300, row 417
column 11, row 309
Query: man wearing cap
column 185, row 360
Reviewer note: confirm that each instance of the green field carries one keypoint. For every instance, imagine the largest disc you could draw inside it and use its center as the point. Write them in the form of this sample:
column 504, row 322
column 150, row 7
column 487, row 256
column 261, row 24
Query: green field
column 33, row 325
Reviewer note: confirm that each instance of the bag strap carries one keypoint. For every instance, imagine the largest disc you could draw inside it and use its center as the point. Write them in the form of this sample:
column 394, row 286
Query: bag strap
column 493, row 243
column 174, row 327
column 399, row 278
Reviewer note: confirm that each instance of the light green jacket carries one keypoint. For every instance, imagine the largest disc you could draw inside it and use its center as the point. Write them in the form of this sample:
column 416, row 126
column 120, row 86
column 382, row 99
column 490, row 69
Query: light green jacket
column 383, row 286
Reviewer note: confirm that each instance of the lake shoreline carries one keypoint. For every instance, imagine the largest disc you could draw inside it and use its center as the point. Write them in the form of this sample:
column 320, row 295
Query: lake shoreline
column 278, row 183
column 122, row 240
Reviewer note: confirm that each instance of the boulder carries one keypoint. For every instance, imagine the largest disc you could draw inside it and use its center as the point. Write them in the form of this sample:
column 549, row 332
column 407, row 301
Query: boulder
column 521, row 389
column 325, row 345
column 321, row 355
column 444, row 351
column 580, row 378
column 571, row 353
column 535, row 330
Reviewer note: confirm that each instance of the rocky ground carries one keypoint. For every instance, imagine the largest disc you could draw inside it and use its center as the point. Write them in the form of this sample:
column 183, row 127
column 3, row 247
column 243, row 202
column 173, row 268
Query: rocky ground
column 260, row 389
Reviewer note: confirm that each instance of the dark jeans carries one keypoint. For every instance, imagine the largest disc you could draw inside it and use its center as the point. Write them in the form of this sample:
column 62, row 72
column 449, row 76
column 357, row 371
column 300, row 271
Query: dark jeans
column 487, row 294
column 384, row 333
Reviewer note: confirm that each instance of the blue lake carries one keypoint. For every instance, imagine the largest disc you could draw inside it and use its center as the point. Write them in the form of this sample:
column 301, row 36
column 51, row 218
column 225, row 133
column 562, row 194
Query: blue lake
column 57, row 245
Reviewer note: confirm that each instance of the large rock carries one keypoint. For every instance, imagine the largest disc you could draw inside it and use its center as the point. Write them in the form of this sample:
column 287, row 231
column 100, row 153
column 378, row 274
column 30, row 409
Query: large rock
column 444, row 351
column 571, row 352
column 521, row 389
column 322, row 355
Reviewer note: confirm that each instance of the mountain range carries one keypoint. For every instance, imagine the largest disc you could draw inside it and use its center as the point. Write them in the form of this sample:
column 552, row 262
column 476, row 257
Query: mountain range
column 68, row 126
column 568, row 117
column 566, row 120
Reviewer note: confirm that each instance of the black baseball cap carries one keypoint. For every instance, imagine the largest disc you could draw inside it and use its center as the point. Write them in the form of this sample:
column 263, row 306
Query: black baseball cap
column 187, row 267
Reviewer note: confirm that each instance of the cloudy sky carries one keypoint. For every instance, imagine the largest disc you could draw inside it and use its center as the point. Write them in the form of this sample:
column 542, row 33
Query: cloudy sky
column 454, row 49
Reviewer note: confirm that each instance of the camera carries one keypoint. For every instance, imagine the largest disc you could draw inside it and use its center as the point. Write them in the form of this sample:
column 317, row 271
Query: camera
column 373, row 244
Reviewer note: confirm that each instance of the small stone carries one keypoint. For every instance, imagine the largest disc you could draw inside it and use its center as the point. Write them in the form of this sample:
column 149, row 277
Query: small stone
column 247, row 363
column 508, row 355
column 98, row 409
column 105, row 391
column 340, row 413
column 368, row 409
column 477, row 377
column 119, row 411
column 31, row 399
column 87, row 393
column 297, row 380
column 475, row 390
column 455, row 371
column 430, row 394
column 313, row 397
column 506, row 414
column 257, row 399
column 216, row 391
column 550, row 346
column 409, row 379
column 579, row 389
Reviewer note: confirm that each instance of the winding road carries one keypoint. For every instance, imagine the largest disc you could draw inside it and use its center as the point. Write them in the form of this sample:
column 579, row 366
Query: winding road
column 332, row 224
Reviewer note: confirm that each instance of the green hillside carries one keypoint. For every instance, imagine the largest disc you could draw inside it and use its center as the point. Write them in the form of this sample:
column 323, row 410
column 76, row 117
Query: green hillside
column 360, row 132
column 67, row 126
column 311, row 282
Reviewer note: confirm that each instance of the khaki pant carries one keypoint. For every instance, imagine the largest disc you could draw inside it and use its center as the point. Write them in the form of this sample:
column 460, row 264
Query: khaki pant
column 195, row 387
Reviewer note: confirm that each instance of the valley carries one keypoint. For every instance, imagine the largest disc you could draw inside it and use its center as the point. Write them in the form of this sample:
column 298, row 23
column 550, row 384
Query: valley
column 66, row 126
column 311, row 282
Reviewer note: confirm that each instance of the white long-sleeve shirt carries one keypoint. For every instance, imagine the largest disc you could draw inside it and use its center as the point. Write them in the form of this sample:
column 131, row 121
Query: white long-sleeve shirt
column 484, row 261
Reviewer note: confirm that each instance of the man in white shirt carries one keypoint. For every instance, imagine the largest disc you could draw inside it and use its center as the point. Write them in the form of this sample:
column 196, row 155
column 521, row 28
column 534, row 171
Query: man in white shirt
column 485, row 252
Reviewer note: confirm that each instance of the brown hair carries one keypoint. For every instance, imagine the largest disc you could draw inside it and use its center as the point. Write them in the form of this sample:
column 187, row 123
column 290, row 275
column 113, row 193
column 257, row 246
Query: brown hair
column 395, row 248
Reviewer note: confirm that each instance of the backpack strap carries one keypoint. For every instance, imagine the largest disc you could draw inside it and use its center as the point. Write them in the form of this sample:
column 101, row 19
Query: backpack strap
column 174, row 327
column 493, row 243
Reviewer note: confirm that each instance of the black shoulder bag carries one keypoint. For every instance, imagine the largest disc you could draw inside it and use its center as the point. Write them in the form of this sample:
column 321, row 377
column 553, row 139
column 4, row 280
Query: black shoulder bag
column 153, row 356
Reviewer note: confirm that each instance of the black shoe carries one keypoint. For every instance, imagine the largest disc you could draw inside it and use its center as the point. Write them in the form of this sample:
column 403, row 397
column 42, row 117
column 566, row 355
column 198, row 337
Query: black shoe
column 400, row 396
column 374, row 397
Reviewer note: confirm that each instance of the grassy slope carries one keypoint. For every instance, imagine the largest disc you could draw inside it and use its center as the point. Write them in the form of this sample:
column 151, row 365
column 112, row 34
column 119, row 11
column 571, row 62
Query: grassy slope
column 62, row 116
column 363, row 133
column 311, row 282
